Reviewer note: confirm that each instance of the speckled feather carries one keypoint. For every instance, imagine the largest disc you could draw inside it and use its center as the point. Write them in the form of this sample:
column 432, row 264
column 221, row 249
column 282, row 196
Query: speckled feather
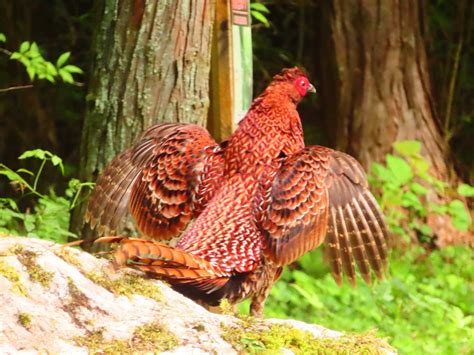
column 177, row 182
column 259, row 201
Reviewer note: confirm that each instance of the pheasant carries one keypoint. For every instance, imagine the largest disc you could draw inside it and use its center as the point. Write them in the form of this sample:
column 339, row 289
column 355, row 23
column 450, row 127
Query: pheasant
column 237, row 212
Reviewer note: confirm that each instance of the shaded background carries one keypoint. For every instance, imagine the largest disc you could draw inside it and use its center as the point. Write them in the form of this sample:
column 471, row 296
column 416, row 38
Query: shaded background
column 426, row 305
column 51, row 116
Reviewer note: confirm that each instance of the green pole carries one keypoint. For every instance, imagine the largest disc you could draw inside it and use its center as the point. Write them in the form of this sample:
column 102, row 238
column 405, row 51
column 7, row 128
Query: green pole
column 241, row 57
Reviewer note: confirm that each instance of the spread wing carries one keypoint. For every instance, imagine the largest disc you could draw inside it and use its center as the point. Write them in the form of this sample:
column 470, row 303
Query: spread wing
column 319, row 195
column 107, row 210
column 164, row 181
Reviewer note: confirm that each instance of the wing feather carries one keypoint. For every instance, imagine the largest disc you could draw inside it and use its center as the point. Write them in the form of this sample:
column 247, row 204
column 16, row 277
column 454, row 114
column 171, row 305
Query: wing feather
column 357, row 227
column 296, row 213
column 164, row 181
column 177, row 181
column 318, row 193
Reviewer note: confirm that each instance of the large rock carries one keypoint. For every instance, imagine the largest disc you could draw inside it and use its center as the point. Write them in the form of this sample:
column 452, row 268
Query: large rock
column 61, row 300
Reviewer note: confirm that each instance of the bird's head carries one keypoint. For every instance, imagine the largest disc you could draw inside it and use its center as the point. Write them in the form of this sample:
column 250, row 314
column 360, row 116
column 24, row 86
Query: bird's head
column 293, row 82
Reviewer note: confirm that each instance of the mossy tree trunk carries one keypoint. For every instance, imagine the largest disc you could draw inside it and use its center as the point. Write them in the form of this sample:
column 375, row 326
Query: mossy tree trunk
column 151, row 62
column 375, row 82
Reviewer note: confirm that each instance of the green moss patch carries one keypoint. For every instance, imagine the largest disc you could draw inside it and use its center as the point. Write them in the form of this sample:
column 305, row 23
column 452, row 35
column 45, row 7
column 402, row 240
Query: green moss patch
column 258, row 338
column 146, row 338
column 128, row 285
column 10, row 273
column 24, row 319
column 36, row 272
column 69, row 257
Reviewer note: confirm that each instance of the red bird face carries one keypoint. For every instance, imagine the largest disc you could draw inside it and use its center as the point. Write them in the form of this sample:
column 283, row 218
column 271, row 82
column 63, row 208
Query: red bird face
column 303, row 85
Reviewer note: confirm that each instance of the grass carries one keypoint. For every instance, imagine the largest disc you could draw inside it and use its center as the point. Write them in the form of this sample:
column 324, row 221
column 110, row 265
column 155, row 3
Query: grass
column 425, row 305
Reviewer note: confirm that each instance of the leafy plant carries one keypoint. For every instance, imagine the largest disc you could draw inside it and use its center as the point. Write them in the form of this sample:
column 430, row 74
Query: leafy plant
column 29, row 54
column 259, row 12
column 405, row 184
column 424, row 306
column 50, row 216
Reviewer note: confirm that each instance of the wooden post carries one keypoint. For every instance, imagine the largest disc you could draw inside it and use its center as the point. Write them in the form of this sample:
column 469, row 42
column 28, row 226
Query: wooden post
column 231, row 67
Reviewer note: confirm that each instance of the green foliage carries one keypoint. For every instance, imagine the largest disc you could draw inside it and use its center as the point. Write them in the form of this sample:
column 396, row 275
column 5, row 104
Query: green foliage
column 257, row 338
column 259, row 12
column 49, row 218
column 405, row 183
column 29, row 54
column 424, row 306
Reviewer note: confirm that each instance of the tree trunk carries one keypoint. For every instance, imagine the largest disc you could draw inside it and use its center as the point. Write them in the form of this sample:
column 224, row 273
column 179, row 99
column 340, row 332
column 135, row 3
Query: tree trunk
column 150, row 64
column 374, row 72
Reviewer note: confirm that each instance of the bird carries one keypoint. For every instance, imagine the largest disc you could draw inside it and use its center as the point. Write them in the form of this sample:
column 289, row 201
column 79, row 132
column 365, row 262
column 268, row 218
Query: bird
column 220, row 221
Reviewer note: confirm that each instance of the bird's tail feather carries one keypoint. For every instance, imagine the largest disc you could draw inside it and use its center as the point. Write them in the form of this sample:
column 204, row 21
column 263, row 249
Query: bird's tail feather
column 165, row 262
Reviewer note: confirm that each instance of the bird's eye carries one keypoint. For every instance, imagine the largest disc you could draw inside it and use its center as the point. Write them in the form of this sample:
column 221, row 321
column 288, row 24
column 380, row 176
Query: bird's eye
column 303, row 83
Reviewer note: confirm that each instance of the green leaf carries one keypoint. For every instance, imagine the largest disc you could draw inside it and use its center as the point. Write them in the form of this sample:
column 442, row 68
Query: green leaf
column 2, row 37
column 35, row 153
column 51, row 69
column 420, row 164
column 257, row 6
column 31, row 72
column 381, row 172
column 24, row 47
column 399, row 169
column 409, row 199
column 50, row 78
column 66, row 76
column 393, row 197
column 34, row 50
column 261, row 18
column 16, row 55
column 425, row 229
column 9, row 203
column 25, row 61
column 408, row 148
column 57, row 161
column 466, row 190
column 63, row 58
column 460, row 217
column 72, row 69
column 21, row 170
column 29, row 221
column 418, row 189
column 11, row 175
column 437, row 208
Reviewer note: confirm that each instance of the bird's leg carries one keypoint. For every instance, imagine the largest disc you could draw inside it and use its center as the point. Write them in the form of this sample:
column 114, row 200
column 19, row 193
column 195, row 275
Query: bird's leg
column 269, row 277
column 257, row 304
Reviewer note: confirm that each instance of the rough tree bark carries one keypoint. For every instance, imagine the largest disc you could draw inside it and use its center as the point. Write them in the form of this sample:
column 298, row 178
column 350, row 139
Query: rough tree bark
column 150, row 64
column 374, row 72
column 382, row 91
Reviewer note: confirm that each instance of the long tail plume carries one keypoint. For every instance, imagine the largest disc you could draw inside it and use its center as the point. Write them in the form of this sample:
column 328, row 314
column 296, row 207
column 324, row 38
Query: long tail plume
column 165, row 262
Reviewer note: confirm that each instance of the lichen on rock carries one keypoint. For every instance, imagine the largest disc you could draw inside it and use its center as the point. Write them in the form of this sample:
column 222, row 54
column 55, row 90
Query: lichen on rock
column 145, row 339
column 10, row 273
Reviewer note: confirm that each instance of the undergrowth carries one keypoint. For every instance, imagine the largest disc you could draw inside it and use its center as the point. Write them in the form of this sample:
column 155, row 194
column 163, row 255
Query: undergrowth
column 424, row 306
column 48, row 218
column 410, row 194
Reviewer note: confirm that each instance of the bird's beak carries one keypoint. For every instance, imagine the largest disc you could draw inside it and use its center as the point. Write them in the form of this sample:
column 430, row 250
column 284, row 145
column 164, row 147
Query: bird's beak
column 312, row 89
